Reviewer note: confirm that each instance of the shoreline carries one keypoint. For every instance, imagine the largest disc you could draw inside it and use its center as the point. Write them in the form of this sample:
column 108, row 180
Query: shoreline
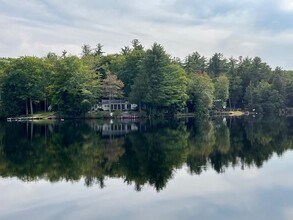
column 116, row 115
column 51, row 116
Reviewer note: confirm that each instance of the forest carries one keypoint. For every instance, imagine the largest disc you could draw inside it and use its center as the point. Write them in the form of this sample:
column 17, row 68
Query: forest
column 158, row 83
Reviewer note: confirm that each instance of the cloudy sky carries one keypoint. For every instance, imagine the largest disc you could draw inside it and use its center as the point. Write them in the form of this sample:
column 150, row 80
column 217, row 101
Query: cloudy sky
column 233, row 27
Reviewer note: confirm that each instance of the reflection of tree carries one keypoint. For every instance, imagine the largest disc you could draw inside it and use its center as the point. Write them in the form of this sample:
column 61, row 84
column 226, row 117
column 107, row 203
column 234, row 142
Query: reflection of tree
column 200, row 142
column 222, row 135
column 222, row 146
column 253, row 141
column 63, row 154
column 151, row 157
column 112, row 151
column 248, row 142
column 265, row 136
column 74, row 150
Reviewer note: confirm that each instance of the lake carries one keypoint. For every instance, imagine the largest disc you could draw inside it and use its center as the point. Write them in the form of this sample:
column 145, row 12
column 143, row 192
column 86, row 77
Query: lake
column 218, row 168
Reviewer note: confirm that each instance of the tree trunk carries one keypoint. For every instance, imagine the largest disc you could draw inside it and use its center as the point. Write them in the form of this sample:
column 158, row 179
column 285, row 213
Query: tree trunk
column 26, row 108
column 45, row 105
column 150, row 115
column 31, row 107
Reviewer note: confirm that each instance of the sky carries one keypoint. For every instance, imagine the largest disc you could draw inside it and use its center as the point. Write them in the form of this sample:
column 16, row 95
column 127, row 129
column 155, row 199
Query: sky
column 235, row 28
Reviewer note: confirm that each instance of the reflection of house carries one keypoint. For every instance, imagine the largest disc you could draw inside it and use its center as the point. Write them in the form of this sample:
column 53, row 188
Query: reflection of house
column 115, row 129
column 116, row 104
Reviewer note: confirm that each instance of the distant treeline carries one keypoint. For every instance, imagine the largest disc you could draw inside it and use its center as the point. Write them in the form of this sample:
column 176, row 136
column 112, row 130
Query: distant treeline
column 151, row 78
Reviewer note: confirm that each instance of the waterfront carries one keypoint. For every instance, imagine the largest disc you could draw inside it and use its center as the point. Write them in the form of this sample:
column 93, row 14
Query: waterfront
column 224, row 168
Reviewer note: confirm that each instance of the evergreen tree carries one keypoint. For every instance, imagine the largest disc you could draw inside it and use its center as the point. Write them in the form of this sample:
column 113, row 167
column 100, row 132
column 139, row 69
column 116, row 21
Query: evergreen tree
column 194, row 63
column 165, row 83
column 217, row 65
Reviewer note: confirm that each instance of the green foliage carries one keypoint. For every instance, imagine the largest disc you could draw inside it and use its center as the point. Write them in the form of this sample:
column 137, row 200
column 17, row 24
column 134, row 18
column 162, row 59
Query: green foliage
column 175, row 84
column 154, row 68
column 130, row 69
column 194, row 63
column 85, row 105
column 289, row 88
column 253, row 71
column 88, row 51
column 221, row 91
column 263, row 98
column 217, row 65
column 136, row 45
column 22, row 81
column 201, row 92
column 72, row 82
column 235, row 84
column 283, row 82
column 159, row 83
column 151, row 79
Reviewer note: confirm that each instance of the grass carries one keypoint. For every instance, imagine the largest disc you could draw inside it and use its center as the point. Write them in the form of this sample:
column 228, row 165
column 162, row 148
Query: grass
column 44, row 114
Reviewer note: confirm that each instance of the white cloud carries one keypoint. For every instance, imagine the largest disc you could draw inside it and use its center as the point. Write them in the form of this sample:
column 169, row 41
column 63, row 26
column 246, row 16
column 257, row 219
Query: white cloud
column 246, row 28
column 286, row 5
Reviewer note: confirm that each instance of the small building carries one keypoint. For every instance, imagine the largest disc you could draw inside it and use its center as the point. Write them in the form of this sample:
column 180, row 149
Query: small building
column 115, row 105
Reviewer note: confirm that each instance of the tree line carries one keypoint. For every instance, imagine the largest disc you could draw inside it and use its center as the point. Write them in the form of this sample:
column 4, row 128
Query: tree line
column 153, row 79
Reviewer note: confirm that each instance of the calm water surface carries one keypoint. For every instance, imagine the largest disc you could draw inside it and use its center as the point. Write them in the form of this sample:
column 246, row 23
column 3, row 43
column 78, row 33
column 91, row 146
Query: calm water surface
column 240, row 168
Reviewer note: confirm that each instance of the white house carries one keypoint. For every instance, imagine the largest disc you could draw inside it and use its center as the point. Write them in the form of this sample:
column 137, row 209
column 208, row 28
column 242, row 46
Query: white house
column 116, row 104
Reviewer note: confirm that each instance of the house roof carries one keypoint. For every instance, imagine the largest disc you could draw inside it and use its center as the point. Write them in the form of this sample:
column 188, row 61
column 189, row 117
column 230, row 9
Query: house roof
column 114, row 101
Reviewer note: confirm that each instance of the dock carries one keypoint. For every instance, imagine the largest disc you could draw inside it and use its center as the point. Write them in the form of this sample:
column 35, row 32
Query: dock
column 29, row 118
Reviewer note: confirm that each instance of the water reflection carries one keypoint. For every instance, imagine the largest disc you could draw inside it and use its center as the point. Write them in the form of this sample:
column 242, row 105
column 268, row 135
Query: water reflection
column 138, row 152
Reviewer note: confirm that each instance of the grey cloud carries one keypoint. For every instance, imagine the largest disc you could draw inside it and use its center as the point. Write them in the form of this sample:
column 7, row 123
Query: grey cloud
column 246, row 27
